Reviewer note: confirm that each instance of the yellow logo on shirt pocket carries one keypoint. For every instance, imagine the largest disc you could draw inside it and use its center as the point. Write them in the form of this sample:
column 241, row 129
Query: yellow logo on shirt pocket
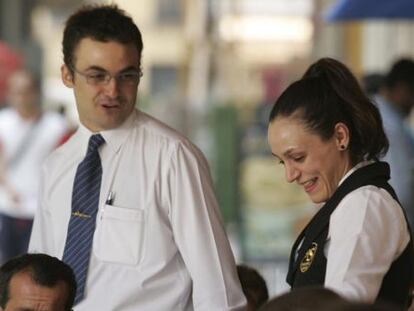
column 308, row 258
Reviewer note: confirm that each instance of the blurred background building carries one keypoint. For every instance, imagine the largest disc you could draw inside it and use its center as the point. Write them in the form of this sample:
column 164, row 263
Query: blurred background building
column 212, row 70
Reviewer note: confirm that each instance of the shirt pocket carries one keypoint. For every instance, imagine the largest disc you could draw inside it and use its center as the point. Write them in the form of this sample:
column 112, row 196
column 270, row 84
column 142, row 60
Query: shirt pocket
column 120, row 235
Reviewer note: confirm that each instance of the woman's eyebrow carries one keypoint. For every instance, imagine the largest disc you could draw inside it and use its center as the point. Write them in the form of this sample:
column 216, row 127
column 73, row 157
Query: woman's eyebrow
column 275, row 156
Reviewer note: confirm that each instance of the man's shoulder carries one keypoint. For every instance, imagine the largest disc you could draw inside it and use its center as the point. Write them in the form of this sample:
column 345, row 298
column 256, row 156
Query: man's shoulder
column 161, row 136
column 158, row 129
column 6, row 111
column 7, row 115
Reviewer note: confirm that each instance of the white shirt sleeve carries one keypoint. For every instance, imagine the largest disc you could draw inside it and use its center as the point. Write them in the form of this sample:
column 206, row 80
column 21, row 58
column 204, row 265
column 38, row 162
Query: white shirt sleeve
column 200, row 236
column 367, row 232
column 41, row 241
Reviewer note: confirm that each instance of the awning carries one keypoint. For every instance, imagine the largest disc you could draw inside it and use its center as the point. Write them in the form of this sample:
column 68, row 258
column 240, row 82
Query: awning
column 343, row 10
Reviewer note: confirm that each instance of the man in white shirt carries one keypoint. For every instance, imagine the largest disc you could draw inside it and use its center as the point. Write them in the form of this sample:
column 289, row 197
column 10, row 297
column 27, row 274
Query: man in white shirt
column 158, row 241
column 27, row 136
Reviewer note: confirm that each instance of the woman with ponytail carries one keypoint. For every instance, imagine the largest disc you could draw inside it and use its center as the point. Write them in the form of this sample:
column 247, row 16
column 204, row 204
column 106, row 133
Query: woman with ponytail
column 329, row 137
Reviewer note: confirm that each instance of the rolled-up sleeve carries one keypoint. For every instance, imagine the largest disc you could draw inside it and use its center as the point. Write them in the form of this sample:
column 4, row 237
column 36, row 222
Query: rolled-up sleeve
column 199, row 233
column 367, row 233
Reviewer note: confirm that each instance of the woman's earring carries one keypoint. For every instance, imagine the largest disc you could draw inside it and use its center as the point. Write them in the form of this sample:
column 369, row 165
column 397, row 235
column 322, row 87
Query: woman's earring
column 342, row 147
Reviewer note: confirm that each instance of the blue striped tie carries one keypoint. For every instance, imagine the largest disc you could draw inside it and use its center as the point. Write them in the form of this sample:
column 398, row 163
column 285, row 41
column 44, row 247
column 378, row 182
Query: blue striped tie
column 85, row 202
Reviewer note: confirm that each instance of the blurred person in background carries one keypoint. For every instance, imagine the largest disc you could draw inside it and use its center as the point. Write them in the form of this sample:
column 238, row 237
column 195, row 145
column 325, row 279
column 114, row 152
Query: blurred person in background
column 127, row 201
column 329, row 137
column 27, row 135
column 395, row 101
column 254, row 287
column 36, row 282
column 372, row 83
column 10, row 60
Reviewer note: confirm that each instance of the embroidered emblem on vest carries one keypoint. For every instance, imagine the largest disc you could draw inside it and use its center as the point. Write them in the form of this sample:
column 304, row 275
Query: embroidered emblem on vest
column 308, row 258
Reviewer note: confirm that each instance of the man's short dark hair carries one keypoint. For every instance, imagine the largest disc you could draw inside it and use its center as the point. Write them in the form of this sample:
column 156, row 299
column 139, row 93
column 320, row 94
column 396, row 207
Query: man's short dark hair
column 402, row 71
column 308, row 298
column 372, row 83
column 101, row 23
column 253, row 285
column 44, row 270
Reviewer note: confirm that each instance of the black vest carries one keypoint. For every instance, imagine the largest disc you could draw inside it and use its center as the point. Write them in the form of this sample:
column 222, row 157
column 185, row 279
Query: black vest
column 310, row 266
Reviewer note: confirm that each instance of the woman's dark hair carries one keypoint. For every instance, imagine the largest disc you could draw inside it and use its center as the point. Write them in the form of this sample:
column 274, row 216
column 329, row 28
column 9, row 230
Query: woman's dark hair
column 327, row 94
column 101, row 23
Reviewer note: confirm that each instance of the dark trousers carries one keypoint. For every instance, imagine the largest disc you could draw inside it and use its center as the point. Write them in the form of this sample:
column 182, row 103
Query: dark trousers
column 14, row 236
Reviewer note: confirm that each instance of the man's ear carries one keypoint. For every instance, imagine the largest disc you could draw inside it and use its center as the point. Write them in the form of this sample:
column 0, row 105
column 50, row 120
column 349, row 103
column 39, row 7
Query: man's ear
column 67, row 77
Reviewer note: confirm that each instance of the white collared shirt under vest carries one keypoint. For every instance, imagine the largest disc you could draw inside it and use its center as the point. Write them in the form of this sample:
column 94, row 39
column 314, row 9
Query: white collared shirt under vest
column 367, row 232
column 161, row 244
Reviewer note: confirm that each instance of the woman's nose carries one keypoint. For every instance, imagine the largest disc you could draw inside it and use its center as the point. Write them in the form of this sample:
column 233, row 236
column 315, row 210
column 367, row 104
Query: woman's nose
column 291, row 173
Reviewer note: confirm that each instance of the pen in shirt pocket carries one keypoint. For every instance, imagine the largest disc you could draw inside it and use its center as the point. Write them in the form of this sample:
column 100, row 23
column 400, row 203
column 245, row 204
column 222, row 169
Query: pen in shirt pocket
column 110, row 198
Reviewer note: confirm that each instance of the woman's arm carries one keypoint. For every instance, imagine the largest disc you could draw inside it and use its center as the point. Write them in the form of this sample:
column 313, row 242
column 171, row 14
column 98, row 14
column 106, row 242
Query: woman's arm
column 368, row 231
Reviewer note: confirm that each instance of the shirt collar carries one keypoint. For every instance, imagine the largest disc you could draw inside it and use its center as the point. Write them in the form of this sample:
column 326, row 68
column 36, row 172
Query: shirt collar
column 353, row 169
column 358, row 166
column 114, row 138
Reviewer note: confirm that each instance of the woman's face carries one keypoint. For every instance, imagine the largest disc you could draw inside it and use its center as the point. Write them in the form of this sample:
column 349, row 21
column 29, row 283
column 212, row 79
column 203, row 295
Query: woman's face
column 313, row 163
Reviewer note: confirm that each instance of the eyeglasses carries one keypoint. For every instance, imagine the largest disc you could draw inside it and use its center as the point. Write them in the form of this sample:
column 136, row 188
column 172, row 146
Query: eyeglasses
column 102, row 77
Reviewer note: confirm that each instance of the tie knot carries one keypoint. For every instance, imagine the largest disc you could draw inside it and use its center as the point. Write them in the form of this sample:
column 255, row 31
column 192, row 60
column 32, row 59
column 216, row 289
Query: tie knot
column 94, row 142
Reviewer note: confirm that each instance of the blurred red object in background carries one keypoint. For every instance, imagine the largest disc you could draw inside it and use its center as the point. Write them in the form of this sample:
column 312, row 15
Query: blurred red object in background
column 10, row 60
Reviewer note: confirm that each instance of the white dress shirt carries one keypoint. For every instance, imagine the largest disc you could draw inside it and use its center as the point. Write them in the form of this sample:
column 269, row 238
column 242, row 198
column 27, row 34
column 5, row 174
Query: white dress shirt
column 43, row 135
column 161, row 244
column 367, row 232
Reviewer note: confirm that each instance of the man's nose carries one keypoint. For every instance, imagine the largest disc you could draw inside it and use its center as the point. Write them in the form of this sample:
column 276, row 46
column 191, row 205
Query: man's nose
column 112, row 87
